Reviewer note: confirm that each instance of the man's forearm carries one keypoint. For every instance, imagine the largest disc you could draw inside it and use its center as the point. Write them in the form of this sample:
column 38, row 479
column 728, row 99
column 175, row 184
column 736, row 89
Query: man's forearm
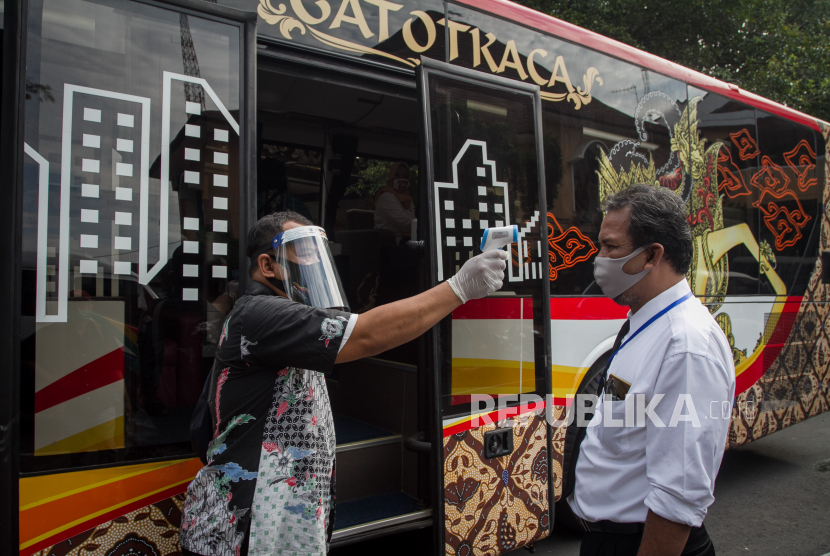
column 663, row 537
column 391, row 325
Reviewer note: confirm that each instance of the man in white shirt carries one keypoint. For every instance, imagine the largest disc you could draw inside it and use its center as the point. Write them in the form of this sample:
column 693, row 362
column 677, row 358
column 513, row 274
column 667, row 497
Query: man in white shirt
column 645, row 480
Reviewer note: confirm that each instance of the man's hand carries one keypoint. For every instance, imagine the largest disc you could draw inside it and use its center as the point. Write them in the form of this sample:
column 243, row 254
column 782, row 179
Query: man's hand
column 663, row 537
column 391, row 325
column 480, row 276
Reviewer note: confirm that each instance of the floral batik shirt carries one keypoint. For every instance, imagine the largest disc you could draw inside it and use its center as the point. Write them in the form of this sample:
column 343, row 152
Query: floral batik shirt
column 268, row 487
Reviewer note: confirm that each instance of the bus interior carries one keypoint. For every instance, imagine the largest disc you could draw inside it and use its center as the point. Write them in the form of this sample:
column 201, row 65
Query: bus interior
column 327, row 142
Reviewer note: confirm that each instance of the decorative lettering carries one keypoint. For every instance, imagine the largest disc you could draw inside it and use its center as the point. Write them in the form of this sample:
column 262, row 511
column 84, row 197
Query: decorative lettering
column 305, row 17
column 511, row 59
column 559, row 66
column 409, row 38
column 478, row 50
column 356, row 19
column 531, row 67
column 455, row 27
column 384, row 7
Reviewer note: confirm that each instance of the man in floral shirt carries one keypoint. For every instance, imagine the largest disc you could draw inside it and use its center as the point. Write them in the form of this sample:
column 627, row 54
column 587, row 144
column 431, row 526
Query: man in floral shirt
column 268, row 487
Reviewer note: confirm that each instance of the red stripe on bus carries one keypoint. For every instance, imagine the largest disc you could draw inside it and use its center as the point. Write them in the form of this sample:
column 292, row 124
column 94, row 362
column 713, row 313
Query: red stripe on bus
column 586, row 308
column 495, row 308
column 101, row 372
column 87, row 525
column 793, row 304
column 494, row 417
column 583, row 37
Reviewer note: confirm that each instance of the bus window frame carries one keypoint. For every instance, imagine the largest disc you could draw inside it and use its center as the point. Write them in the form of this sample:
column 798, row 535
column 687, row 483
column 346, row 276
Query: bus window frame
column 12, row 156
column 435, row 359
column 11, row 136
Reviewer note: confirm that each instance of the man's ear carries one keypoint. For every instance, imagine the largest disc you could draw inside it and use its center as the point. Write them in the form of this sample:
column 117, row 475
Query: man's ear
column 655, row 255
column 268, row 267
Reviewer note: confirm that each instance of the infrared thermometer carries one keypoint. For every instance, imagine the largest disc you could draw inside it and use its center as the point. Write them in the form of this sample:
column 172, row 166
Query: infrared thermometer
column 496, row 238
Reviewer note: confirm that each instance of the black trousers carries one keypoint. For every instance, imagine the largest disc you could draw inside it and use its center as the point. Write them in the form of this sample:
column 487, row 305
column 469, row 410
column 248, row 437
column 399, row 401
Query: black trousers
column 608, row 544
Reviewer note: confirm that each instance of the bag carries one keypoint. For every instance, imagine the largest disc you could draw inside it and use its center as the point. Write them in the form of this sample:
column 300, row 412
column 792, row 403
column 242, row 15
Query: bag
column 201, row 425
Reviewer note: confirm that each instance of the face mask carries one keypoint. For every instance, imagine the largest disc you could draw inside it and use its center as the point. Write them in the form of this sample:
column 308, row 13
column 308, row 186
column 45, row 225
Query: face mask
column 401, row 184
column 610, row 276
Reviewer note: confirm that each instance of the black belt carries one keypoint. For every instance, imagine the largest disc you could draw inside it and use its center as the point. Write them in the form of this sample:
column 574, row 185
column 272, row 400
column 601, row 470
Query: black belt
column 613, row 528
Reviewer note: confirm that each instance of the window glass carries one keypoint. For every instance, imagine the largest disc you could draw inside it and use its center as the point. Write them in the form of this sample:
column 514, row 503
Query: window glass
column 485, row 175
column 790, row 198
column 731, row 126
column 130, row 228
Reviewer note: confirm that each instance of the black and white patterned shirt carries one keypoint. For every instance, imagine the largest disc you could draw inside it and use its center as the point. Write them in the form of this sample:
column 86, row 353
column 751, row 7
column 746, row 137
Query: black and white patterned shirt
column 268, row 487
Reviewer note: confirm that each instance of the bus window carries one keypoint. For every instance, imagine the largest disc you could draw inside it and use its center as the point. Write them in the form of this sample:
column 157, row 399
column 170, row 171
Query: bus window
column 131, row 227
column 485, row 175
column 731, row 125
column 790, row 199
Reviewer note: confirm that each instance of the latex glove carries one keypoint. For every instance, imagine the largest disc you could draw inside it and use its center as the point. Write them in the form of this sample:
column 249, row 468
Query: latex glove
column 480, row 276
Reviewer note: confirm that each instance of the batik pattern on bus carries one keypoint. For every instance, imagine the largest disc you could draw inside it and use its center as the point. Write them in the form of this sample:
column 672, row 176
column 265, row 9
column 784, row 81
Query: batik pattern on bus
column 797, row 384
column 558, row 446
column 149, row 531
column 492, row 506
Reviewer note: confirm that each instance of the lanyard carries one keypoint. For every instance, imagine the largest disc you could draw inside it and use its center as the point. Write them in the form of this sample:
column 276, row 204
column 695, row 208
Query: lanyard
column 646, row 325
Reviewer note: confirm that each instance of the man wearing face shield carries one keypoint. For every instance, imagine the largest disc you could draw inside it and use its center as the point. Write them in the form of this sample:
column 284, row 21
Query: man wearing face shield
column 268, row 486
column 642, row 486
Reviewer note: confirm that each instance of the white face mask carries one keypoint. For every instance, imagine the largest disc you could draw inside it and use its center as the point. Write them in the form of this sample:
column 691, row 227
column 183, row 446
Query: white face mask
column 401, row 184
column 611, row 277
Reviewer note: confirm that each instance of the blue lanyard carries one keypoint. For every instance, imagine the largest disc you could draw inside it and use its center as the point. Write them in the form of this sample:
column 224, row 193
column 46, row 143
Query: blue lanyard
column 647, row 324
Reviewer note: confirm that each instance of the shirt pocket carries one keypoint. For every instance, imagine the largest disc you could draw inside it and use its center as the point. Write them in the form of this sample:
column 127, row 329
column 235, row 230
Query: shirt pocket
column 615, row 437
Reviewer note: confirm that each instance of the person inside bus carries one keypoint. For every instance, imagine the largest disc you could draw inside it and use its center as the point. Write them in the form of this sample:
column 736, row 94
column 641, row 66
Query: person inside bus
column 645, row 489
column 394, row 209
column 268, row 486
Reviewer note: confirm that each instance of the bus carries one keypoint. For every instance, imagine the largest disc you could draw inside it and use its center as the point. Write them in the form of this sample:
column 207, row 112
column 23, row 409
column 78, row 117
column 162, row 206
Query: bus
column 124, row 247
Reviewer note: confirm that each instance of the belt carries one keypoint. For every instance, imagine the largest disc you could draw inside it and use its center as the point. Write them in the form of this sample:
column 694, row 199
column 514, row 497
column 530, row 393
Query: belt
column 613, row 528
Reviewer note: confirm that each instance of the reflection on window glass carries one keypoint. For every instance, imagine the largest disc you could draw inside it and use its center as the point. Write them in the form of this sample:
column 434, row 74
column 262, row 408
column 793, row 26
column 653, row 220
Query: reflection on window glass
column 131, row 226
column 288, row 179
column 790, row 198
column 731, row 125
column 485, row 175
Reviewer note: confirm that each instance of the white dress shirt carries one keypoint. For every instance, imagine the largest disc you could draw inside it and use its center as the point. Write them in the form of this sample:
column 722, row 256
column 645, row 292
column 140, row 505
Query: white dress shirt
column 623, row 471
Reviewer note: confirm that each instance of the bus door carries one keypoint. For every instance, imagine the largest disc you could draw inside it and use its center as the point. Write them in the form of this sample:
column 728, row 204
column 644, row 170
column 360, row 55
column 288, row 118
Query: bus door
column 136, row 153
column 482, row 153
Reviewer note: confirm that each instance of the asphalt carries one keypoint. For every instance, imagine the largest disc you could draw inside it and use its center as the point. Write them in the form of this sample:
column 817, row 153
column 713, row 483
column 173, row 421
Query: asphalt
column 772, row 498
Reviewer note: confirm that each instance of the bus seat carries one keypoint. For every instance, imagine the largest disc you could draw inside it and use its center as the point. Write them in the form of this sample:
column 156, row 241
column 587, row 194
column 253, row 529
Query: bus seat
column 363, row 249
column 359, row 219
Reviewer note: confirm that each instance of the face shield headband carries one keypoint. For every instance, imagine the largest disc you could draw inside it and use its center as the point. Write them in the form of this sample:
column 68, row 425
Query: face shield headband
column 308, row 273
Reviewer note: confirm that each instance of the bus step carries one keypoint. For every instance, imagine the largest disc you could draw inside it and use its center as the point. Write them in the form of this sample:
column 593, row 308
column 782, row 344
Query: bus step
column 370, row 516
column 349, row 431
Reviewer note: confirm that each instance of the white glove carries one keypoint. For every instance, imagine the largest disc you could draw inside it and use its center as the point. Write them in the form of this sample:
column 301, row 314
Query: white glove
column 480, row 276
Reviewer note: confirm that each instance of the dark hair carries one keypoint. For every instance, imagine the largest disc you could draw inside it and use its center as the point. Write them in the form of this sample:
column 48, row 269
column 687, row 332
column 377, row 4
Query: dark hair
column 657, row 216
column 266, row 228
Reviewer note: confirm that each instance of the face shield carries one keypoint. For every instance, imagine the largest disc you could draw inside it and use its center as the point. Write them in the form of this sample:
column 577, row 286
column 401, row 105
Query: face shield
column 308, row 272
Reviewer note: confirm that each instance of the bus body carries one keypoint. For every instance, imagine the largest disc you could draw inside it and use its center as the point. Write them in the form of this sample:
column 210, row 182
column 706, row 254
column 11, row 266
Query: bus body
column 142, row 138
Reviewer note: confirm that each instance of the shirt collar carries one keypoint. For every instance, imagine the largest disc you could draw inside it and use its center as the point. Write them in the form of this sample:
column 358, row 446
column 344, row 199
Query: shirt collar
column 256, row 288
column 659, row 303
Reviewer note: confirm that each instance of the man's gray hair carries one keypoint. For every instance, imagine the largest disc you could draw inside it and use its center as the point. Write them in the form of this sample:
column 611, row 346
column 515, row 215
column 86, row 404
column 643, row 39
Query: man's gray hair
column 657, row 216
